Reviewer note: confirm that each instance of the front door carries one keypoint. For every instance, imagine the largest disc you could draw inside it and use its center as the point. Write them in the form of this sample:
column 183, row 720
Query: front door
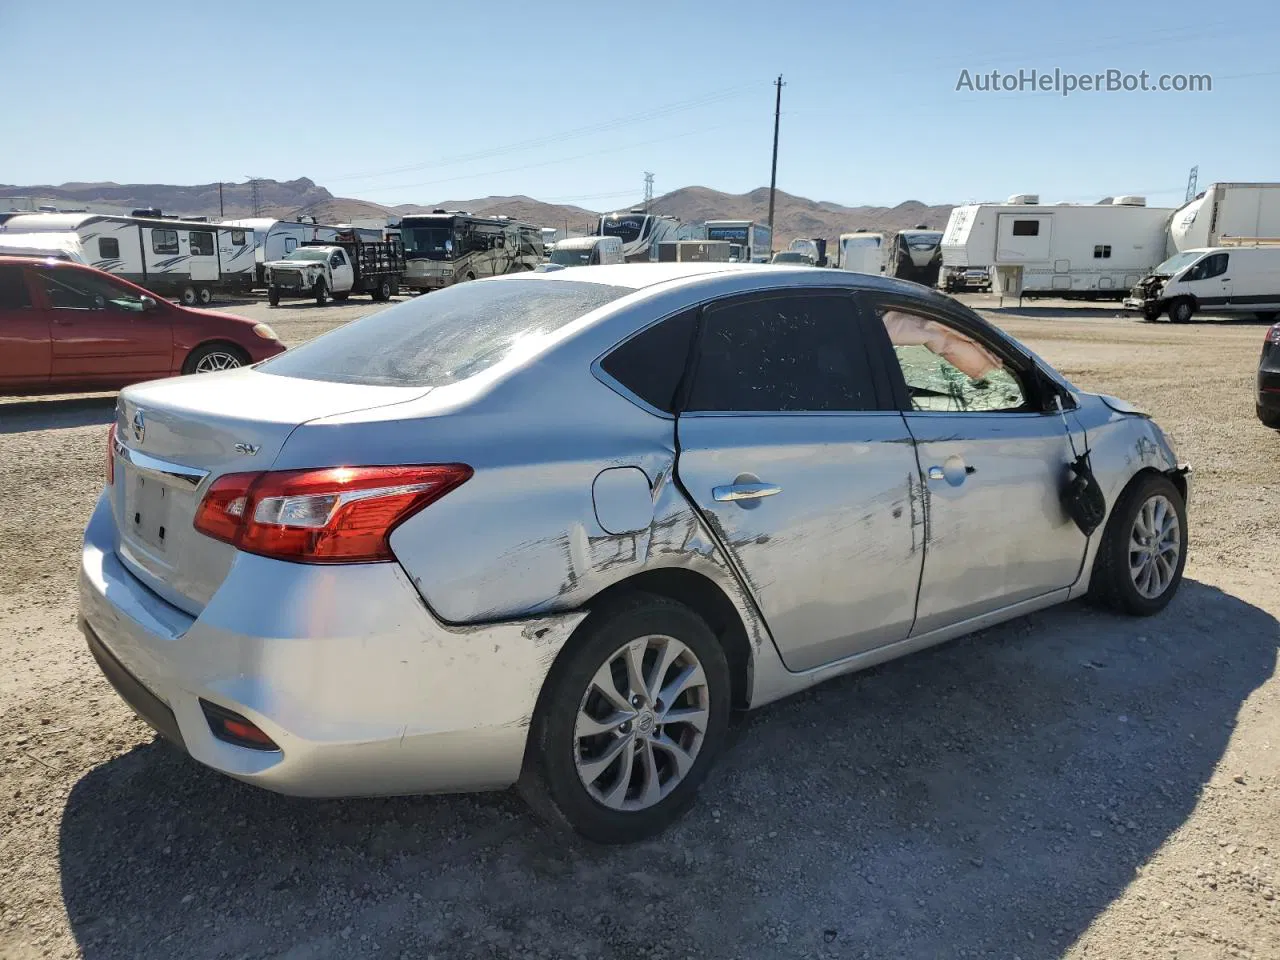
column 204, row 257
column 992, row 464
column 24, row 334
column 100, row 330
column 809, row 483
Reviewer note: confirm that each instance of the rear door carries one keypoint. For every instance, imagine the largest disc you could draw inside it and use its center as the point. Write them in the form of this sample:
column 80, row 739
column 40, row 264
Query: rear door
column 100, row 331
column 810, row 484
column 992, row 464
column 24, row 333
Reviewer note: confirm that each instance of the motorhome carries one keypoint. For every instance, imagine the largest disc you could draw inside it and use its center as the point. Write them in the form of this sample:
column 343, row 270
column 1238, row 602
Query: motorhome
column 815, row 248
column 193, row 261
column 862, row 252
column 447, row 247
column 752, row 241
column 694, row 251
column 1085, row 251
column 276, row 239
column 1227, row 279
column 915, row 255
column 1227, row 213
column 641, row 233
column 587, row 251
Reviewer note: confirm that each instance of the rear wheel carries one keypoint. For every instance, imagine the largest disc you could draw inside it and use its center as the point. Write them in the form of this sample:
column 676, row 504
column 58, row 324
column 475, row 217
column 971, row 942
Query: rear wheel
column 384, row 291
column 1268, row 418
column 205, row 295
column 213, row 357
column 319, row 291
column 632, row 717
column 273, row 296
column 189, row 297
column 1182, row 310
column 1144, row 548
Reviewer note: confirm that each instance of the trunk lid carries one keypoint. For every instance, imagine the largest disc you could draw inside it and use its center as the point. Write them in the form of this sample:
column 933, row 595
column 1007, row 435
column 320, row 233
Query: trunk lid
column 174, row 437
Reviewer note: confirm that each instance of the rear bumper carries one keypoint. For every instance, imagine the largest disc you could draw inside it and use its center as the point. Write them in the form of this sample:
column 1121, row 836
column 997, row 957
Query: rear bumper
column 364, row 691
column 1267, row 395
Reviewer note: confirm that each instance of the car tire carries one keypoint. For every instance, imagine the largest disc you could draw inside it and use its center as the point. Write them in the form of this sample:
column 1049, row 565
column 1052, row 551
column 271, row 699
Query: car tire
column 205, row 296
column 273, row 296
column 384, row 291
column 1151, row 314
column 563, row 778
column 318, row 291
column 469, row 276
column 211, row 357
column 189, row 297
column 1150, row 509
column 1268, row 418
column 1182, row 310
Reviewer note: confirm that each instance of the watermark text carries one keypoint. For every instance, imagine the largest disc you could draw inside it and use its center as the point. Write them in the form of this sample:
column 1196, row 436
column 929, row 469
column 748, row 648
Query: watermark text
column 1064, row 83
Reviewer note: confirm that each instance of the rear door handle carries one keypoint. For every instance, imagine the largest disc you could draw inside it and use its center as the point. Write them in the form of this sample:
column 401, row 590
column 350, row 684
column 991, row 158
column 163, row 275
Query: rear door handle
column 744, row 491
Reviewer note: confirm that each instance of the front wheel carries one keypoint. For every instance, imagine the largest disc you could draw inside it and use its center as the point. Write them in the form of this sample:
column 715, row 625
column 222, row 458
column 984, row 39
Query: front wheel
column 1144, row 548
column 1182, row 310
column 273, row 296
column 631, row 719
column 213, row 357
column 319, row 291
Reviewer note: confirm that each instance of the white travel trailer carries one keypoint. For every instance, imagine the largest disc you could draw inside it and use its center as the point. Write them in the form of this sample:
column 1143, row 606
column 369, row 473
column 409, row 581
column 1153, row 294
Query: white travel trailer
column 55, row 246
column 1227, row 213
column 1087, row 251
column 1226, row 279
column 276, row 239
column 191, row 260
column 862, row 252
column 587, row 251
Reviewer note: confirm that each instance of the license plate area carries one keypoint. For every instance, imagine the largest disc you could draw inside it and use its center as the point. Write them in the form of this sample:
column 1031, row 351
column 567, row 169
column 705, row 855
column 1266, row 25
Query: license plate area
column 147, row 511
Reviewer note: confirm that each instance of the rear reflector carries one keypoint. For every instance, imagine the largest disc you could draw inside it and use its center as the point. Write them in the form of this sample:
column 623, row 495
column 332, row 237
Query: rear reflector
column 329, row 515
column 229, row 727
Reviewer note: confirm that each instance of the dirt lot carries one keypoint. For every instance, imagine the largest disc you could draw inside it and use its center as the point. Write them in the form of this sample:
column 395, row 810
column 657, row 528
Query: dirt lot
column 1067, row 785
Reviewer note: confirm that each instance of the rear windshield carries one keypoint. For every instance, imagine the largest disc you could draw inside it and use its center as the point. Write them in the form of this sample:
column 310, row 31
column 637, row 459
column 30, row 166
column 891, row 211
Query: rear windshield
column 443, row 337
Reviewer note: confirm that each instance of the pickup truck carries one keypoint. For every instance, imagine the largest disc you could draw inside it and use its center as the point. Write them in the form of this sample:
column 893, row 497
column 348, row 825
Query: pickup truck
column 337, row 268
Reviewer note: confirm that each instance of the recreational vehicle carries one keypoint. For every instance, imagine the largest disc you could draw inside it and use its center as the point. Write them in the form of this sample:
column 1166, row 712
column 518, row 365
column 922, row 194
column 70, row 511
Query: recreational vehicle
column 1227, row 213
column 862, row 252
column 915, row 255
column 815, row 248
column 1227, row 279
column 587, row 252
column 1086, row 251
column 752, row 241
column 641, row 233
column 52, row 246
column 694, row 251
column 276, row 239
column 185, row 259
column 447, row 247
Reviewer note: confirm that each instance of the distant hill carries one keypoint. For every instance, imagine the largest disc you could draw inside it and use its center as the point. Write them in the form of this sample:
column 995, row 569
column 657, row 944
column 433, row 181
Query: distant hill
column 793, row 217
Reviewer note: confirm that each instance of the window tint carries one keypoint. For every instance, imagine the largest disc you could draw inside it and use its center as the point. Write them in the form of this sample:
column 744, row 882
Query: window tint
column 164, row 241
column 13, row 289
column 651, row 363
column 792, row 353
column 201, row 243
column 108, row 248
column 947, row 371
column 81, row 290
column 237, row 238
column 1215, row 266
column 1026, row 228
column 453, row 334
column 1102, row 251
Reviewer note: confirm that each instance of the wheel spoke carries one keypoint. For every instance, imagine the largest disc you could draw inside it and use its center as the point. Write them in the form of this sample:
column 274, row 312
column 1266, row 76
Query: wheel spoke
column 690, row 676
column 589, row 726
column 617, row 794
column 592, row 769
column 682, row 758
column 603, row 682
column 695, row 717
column 667, row 655
column 651, row 788
column 635, row 667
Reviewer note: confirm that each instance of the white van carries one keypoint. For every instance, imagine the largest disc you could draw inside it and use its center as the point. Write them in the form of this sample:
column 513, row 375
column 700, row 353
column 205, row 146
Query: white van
column 1212, row 280
column 587, row 251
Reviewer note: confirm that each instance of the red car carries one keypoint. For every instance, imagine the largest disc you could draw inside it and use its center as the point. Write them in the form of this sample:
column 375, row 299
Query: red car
column 67, row 327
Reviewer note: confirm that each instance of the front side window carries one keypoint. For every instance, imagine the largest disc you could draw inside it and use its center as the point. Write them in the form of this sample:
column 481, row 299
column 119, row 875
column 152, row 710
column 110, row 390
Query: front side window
column 108, row 248
column 164, row 241
column 1026, row 228
column 794, row 353
column 80, row 290
column 13, row 289
column 201, row 243
column 337, row 259
column 947, row 371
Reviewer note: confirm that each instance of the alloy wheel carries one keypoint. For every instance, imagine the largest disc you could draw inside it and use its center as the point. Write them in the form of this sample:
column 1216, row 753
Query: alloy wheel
column 217, row 360
column 1155, row 545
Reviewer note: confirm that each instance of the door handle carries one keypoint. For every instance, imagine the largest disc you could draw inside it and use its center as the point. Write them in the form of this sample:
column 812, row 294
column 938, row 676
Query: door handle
column 744, row 491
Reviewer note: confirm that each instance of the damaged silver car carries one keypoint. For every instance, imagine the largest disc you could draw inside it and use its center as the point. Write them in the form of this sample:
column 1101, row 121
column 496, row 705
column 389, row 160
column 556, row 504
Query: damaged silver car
column 552, row 529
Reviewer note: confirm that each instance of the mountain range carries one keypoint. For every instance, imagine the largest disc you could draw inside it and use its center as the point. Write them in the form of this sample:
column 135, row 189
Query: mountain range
column 288, row 199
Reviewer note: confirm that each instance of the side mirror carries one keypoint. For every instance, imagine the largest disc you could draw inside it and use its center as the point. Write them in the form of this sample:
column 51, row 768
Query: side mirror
column 148, row 303
column 100, row 302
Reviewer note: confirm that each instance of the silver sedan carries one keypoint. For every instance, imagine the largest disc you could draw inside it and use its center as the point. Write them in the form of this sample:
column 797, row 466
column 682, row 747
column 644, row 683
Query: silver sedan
column 553, row 530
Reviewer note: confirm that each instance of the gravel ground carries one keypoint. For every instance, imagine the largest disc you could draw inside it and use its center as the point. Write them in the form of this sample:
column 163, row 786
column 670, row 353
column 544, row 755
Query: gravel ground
column 1066, row 785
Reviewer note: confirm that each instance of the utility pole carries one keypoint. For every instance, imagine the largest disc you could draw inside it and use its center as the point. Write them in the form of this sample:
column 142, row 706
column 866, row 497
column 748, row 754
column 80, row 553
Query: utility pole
column 221, row 212
column 648, row 191
column 773, row 176
column 255, row 197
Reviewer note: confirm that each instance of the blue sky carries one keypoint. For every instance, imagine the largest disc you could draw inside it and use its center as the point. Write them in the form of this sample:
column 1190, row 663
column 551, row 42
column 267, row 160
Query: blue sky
column 572, row 102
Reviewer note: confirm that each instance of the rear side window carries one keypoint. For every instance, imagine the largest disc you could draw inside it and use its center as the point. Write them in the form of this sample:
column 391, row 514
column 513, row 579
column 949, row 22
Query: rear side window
column 652, row 362
column 453, row 334
column 164, row 241
column 1026, row 228
column 801, row 352
column 13, row 289
column 108, row 248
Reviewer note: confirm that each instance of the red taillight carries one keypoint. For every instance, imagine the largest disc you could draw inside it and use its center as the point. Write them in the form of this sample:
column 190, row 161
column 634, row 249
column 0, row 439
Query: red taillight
column 111, row 455
column 330, row 515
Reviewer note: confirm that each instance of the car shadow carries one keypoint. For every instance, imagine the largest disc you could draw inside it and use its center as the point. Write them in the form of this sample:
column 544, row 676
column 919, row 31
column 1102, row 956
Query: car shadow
column 990, row 797
column 60, row 413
